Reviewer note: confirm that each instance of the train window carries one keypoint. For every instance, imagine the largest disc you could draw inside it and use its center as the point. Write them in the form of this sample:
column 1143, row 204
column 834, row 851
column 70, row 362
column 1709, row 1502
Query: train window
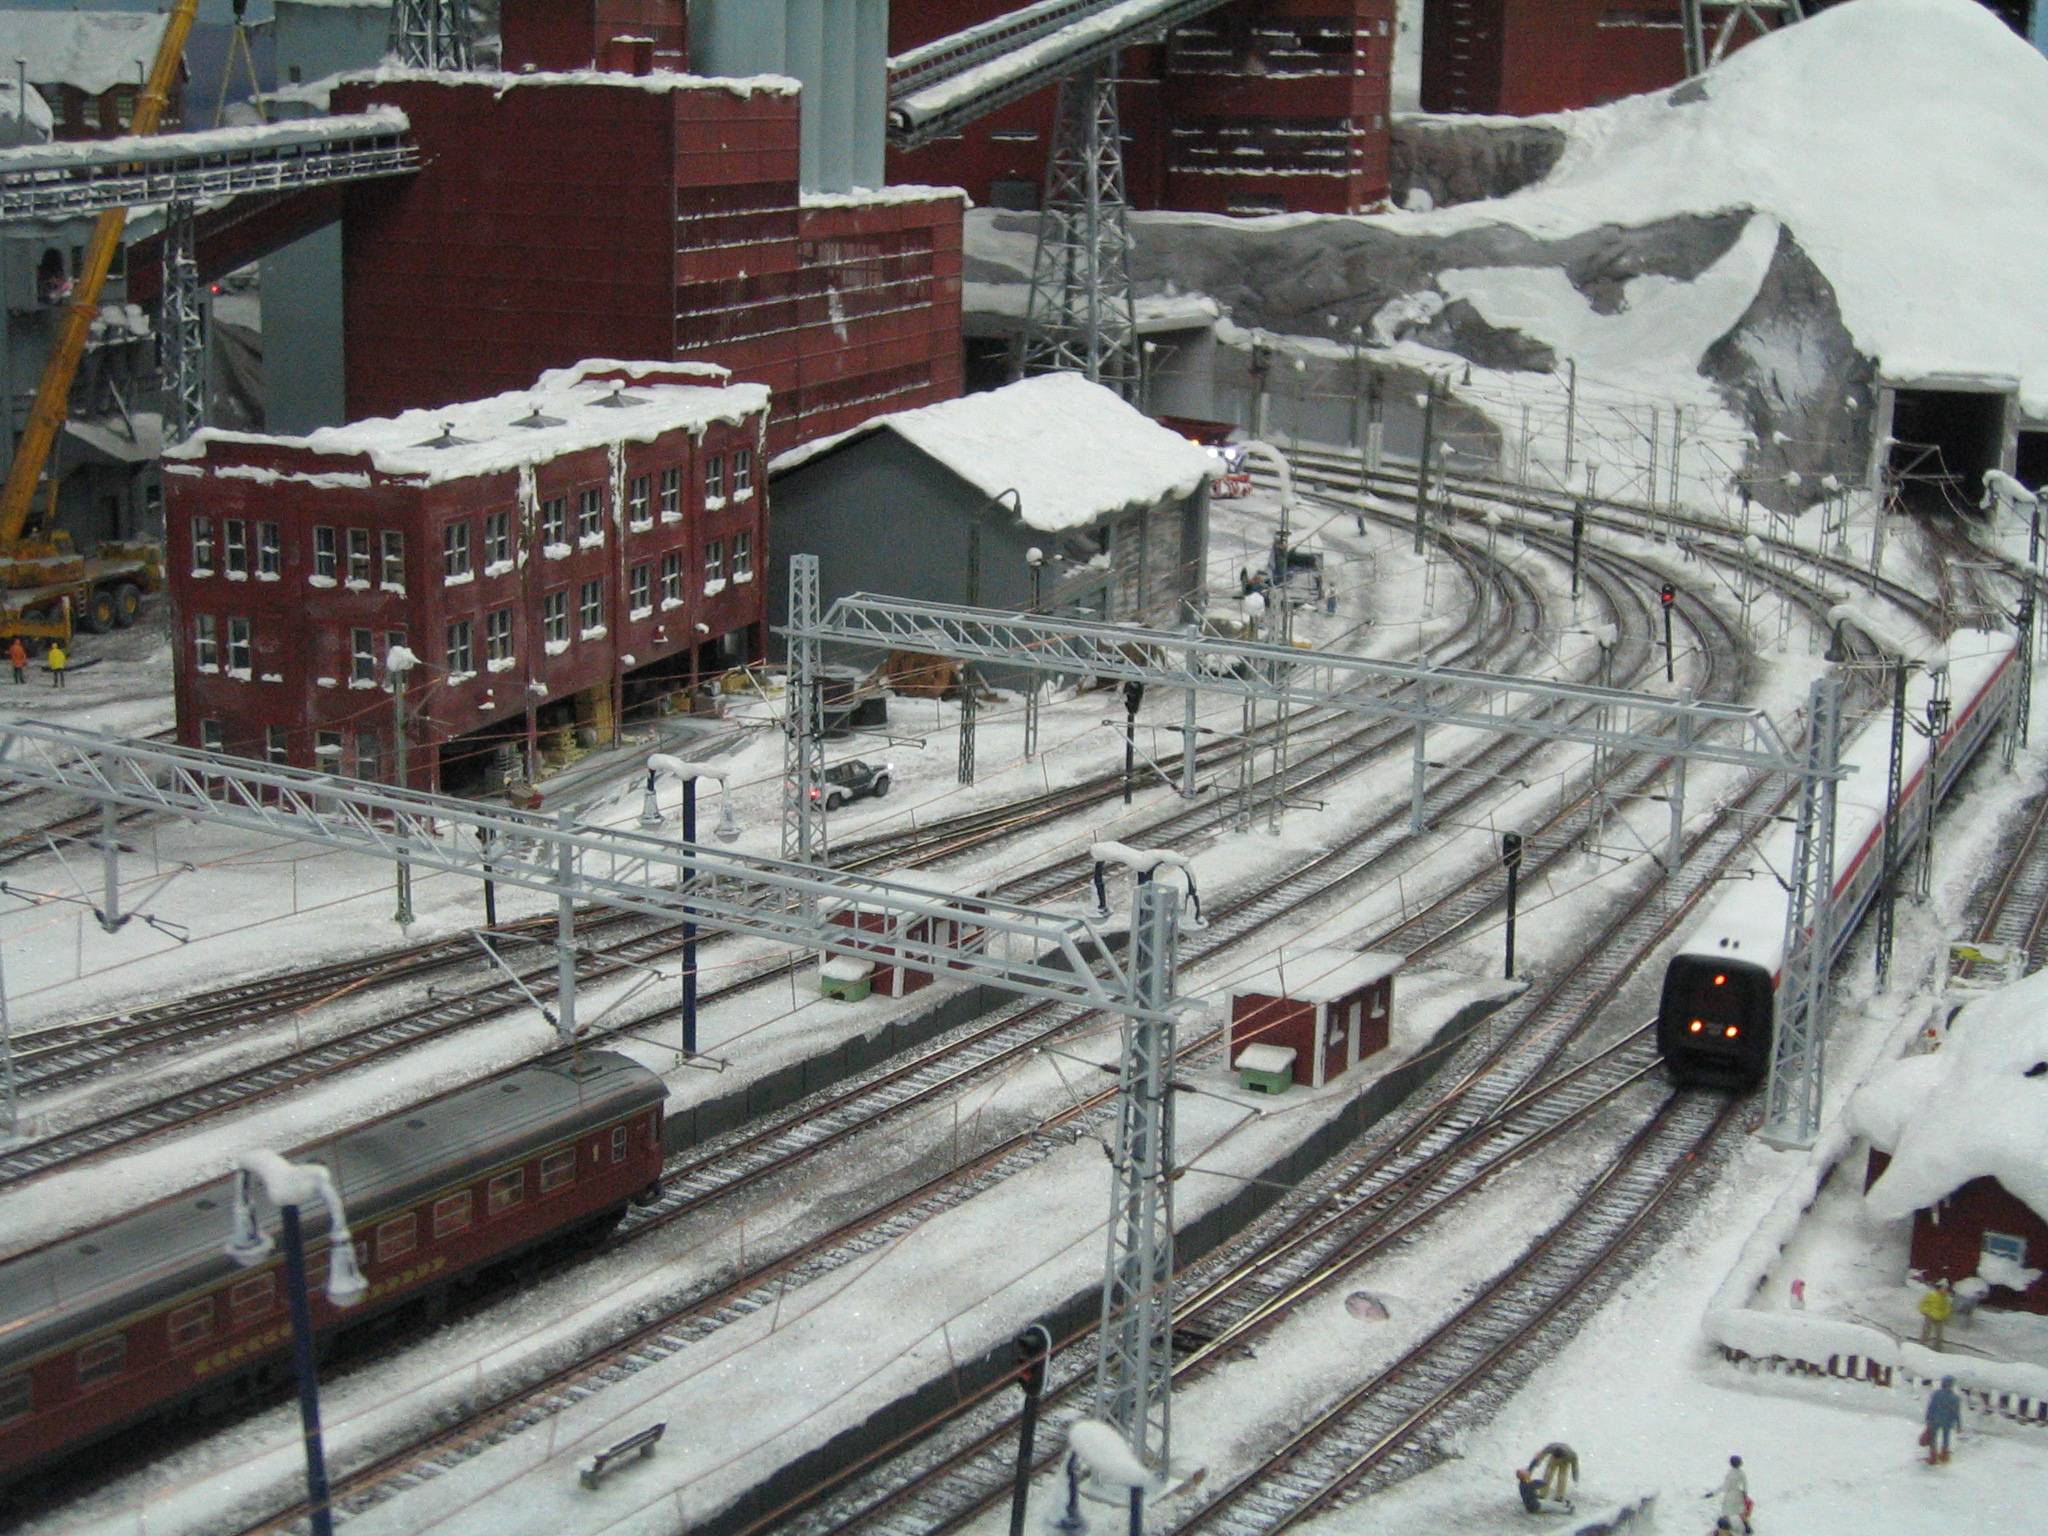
column 102, row 1360
column 400, row 1235
column 507, row 1190
column 557, row 1169
column 17, row 1396
column 188, row 1325
column 451, row 1213
column 618, row 1144
column 252, row 1298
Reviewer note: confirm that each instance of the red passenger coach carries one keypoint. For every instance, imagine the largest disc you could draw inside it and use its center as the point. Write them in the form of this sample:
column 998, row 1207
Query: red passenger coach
column 147, row 1314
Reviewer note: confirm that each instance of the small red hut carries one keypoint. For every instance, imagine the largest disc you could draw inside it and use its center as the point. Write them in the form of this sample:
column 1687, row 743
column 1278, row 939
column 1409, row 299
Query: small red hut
column 1331, row 1007
column 886, row 975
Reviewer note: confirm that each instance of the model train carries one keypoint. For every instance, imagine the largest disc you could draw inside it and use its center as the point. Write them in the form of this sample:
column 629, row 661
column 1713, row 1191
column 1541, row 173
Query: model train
column 147, row 1315
column 1717, row 1016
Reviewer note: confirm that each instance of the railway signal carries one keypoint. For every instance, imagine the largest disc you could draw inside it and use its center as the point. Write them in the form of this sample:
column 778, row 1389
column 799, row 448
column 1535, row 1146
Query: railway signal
column 1668, row 596
column 1134, row 695
column 1511, row 858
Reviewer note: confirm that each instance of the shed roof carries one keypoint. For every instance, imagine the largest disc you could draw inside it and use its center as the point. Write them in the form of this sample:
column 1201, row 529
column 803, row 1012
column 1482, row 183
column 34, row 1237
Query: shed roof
column 1976, row 1108
column 1073, row 451
column 93, row 51
column 573, row 409
column 1318, row 975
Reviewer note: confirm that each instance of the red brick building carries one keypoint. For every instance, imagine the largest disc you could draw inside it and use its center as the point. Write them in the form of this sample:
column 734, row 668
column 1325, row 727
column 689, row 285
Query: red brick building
column 1260, row 106
column 553, row 556
column 1331, row 1007
column 564, row 216
column 1953, row 1237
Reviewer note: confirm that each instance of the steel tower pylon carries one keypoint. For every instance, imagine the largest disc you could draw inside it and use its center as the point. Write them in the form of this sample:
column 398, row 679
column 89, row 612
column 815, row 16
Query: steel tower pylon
column 181, row 328
column 1134, row 1360
column 1082, row 316
column 803, row 814
column 430, row 34
column 1792, row 1101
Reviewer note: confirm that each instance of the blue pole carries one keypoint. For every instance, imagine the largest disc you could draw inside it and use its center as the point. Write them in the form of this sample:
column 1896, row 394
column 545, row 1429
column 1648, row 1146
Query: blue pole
column 689, row 931
column 309, row 1380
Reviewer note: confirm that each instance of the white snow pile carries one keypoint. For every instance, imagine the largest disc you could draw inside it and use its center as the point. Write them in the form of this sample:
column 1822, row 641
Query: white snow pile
column 1894, row 631
column 91, row 51
column 1903, row 142
column 1970, row 1110
column 1071, row 450
column 598, row 402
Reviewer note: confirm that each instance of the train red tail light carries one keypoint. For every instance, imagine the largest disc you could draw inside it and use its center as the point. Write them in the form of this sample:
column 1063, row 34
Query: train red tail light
column 1731, row 1031
column 1720, row 981
column 1697, row 1026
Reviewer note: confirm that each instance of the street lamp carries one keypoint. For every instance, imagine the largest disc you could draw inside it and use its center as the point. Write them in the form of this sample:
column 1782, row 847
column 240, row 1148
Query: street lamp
column 290, row 1186
column 398, row 664
column 728, row 831
column 1146, row 862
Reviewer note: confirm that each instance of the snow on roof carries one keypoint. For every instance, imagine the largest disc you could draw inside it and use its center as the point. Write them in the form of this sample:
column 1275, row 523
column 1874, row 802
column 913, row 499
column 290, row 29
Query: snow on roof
column 14, row 131
column 93, row 51
column 661, row 81
column 1968, row 1111
column 1893, row 630
column 480, row 437
column 157, row 147
column 1924, row 202
column 870, row 197
column 1071, row 450
column 1318, row 975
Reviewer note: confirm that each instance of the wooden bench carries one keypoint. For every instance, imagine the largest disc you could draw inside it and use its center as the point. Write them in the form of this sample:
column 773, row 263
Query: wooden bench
column 643, row 1444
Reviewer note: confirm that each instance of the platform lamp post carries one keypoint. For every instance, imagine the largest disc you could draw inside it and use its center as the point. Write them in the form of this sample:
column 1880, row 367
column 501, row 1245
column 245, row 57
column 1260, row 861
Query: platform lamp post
column 1035, row 558
column 728, row 832
column 289, row 1187
column 398, row 665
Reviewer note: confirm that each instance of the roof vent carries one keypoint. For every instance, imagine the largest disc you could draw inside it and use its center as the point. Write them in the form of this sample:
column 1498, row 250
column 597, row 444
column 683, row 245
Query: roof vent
column 536, row 420
column 447, row 439
column 618, row 398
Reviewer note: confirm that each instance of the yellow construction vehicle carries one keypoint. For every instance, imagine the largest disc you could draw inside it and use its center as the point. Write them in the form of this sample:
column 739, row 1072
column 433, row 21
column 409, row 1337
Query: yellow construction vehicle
column 48, row 587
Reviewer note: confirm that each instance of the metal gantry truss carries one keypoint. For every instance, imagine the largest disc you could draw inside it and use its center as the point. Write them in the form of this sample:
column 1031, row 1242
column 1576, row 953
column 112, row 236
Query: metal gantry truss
column 430, row 34
column 1613, row 721
column 1016, row 948
column 1700, row 55
column 181, row 331
column 1082, row 316
column 803, row 723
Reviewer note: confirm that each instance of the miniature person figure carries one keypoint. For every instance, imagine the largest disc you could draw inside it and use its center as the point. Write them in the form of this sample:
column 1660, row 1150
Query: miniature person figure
column 17, row 657
column 1555, row 1467
column 1734, row 1491
column 1529, row 1490
column 57, row 661
column 1944, row 1418
column 1799, row 1295
column 1936, row 1308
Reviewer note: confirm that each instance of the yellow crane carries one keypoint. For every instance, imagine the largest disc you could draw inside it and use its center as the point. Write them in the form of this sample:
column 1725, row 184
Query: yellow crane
column 49, row 586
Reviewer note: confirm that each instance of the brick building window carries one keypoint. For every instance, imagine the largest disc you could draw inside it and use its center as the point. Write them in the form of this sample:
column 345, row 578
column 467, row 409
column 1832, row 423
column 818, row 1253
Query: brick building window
column 369, row 756
column 672, row 579
column 497, row 541
column 743, row 556
column 742, row 472
column 714, row 480
column 461, row 653
column 326, row 563
column 498, row 639
column 238, row 647
column 235, row 546
column 359, row 557
column 640, row 590
column 590, row 518
column 639, row 512
column 277, row 744
column 554, row 522
column 206, row 642
column 671, row 495
column 202, row 546
column 393, row 576
column 213, row 736
column 362, row 658
column 269, row 550
column 102, row 1360
column 327, row 750
column 554, row 621
column 455, row 552
column 590, row 609
column 714, row 566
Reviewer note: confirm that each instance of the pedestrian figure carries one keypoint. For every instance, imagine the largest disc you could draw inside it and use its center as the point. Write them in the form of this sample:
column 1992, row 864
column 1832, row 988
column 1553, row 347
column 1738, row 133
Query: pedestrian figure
column 1529, row 1490
column 1555, row 1468
column 57, row 661
column 1944, row 1417
column 17, row 657
column 1936, row 1308
column 1735, row 1502
column 1799, row 1295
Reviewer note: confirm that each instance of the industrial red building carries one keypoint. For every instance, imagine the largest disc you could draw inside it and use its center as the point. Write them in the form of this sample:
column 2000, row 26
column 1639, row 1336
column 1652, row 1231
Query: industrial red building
column 1259, row 106
column 564, row 216
column 552, row 556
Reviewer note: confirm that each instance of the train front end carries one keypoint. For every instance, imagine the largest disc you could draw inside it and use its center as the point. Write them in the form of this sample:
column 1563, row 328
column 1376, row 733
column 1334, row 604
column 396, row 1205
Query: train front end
column 1714, row 1021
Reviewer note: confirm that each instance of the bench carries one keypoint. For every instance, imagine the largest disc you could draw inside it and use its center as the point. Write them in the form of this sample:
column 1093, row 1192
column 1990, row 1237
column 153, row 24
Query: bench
column 643, row 1444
